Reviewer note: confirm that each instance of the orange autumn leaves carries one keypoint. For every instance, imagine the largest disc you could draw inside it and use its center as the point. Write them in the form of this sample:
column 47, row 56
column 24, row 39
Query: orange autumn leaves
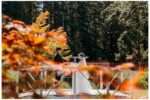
column 132, row 83
column 40, row 25
column 59, row 36
column 97, row 71
column 24, row 46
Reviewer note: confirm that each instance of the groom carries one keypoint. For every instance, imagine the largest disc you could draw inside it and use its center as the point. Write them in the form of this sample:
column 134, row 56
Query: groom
column 59, row 59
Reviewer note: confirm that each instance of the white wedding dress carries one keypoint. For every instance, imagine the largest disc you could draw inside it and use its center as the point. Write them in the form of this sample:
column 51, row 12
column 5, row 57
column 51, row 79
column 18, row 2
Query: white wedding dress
column 80, row 80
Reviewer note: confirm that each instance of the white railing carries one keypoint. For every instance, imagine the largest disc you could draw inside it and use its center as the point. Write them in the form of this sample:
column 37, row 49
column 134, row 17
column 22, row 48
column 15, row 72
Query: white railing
column 80, row 82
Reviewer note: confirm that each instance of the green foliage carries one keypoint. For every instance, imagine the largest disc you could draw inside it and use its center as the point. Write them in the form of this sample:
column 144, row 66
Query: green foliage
column 131, row 21
column 12, row 75
column 143, row 83
column 106, row 30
